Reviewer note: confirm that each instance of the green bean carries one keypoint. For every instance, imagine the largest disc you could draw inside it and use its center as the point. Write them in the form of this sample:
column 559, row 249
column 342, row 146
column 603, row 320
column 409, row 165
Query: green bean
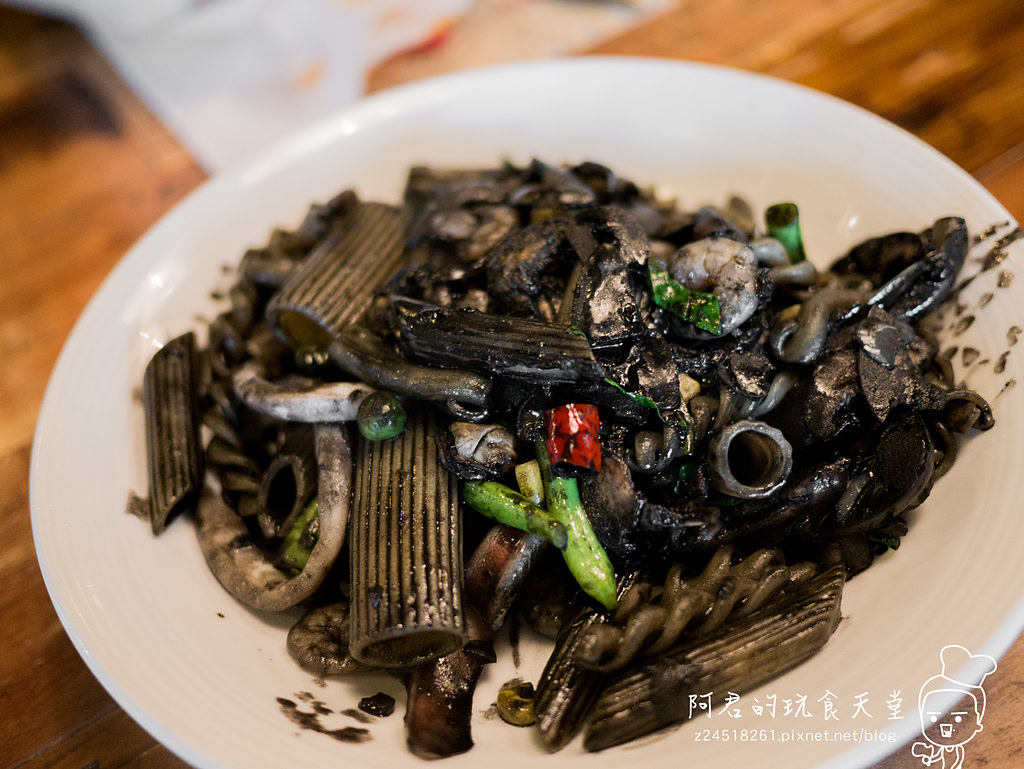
column 783, row 223
column 504, row 505
column 586, row 558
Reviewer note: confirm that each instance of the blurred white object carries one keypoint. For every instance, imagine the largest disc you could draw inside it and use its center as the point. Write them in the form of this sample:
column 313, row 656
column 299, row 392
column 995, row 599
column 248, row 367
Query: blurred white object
column 228, row 77
column 231, row 76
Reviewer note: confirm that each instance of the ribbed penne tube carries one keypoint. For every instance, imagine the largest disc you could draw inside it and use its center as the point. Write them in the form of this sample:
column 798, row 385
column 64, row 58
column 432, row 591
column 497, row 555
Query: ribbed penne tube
column 497, row 345
column 739, row 656
column 335, row 283
column 405, row 551
column 170, row 398
column 566, row 692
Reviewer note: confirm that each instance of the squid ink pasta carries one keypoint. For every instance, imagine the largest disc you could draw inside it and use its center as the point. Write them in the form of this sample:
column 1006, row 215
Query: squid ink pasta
column 660, row 436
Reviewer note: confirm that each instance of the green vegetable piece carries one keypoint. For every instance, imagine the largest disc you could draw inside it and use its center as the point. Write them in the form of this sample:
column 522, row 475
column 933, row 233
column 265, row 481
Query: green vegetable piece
column 586, row 558
column 299, row 540
column 381, row 416
column 783, row 223
column 697, row 307
column 504, row 505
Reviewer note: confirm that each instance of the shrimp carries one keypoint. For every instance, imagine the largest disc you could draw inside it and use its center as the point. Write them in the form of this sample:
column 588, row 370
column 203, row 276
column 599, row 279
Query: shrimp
column 319, row 641
column 724, row 266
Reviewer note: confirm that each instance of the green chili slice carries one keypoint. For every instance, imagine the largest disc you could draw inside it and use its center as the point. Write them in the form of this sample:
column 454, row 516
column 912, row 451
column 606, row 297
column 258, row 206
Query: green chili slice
column 783, row 223
column 700, row 308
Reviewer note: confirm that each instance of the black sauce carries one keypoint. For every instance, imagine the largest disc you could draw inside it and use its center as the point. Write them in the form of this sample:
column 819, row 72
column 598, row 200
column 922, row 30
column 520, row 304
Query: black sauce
column 379, row 704
column 962, row 325
column 1000, row 366
column 358, row 715
column 311, row 720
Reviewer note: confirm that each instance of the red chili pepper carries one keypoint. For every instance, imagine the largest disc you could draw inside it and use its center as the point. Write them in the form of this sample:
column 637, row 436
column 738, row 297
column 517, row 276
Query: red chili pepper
column 571, row 436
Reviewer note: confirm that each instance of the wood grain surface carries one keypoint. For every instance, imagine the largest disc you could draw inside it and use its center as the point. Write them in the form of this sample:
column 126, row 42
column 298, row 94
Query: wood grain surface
column 85, row 169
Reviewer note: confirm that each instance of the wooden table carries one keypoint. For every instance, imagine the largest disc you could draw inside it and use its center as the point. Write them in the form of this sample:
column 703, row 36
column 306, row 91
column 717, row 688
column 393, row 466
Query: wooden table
column 85, row 169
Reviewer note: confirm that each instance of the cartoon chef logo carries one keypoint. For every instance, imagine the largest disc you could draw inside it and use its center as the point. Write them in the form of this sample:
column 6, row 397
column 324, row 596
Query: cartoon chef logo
column 962, row 674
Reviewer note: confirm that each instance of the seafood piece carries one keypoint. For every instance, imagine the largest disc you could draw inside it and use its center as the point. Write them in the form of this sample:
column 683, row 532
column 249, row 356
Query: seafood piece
column 922, row 286
column 653, row 452
column 524, row 269
column 612, row 504
column 497, row 568
column 820, row 408
column 335, row 284
column 405, row 551
column 801, row 338
column 440, row 696
column 738, row 657
column 244, row 569
column 460, row 211
column 749, row 459
column 897, row 476
column 881, row 258
column 319, row 641
column 726, row 268
column 608, row 294
column 173, row 449
column 496, row 345
column 298, row 400
column 425, row 185
column 552, row 188
column 477, row 452
column 360, row 352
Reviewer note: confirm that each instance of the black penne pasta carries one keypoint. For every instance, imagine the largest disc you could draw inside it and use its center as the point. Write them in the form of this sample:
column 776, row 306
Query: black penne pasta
column 336, row 282
column 406, row 551
column 566, row 691
column 737, row 657
column 498, row 345
column 173, row 446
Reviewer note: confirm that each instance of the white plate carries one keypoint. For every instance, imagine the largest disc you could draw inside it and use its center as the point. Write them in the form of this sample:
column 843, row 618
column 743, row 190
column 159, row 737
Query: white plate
column 203, row 674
